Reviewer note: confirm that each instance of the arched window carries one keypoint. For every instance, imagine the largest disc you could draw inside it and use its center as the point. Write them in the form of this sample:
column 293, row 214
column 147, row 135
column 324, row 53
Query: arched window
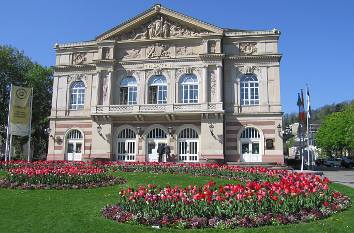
column 126, row 145
column 157, row 133
column 250, row 133
column 157, row 90
column 249, row 90
column 128, row 90
column 77, row 95
column 188, row 143
column 188, row 89
column 74, row 134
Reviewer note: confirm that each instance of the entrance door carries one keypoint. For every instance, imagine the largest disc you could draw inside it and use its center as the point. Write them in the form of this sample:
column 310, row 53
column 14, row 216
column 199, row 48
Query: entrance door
column 126, row 150
column 153, row 145
column 74, row 152
column 251, row 145
column 250, row 151
column 188, row 150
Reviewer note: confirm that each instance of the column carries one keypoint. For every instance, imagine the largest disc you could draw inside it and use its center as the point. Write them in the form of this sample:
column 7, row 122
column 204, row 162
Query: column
column 106, row 88
column 219, row 83
column 205, row 84
column 95, row 89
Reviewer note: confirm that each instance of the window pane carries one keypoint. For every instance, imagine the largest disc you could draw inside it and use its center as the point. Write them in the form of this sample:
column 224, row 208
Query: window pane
column 245, row 148
column 255, row 148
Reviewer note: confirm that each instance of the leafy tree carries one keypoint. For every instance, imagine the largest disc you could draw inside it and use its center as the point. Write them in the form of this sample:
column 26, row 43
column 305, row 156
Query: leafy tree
column 18, row 69
column 336, row 134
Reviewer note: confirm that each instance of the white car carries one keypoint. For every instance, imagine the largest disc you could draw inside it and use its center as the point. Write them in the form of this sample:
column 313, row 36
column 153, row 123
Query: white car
column 332, row 162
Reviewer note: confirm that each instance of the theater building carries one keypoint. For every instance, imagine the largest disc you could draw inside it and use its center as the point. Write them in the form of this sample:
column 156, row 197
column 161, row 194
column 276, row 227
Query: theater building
column 164, row 78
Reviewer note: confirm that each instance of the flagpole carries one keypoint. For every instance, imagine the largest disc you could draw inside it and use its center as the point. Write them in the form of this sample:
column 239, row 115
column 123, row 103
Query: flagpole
column 10, row 148
column 307, row 126
column 30, row 129
column 301, row 150
column 8, row 127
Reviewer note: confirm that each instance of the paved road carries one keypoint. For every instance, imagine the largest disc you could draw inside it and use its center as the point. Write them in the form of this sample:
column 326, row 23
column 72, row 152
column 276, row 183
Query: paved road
column 345, row 177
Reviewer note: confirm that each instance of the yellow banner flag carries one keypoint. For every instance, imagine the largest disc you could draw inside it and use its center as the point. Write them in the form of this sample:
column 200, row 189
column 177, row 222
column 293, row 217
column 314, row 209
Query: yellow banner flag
column 20, row 110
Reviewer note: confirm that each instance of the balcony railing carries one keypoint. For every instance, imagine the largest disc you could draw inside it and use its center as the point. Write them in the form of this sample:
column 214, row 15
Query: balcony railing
column 156, row 108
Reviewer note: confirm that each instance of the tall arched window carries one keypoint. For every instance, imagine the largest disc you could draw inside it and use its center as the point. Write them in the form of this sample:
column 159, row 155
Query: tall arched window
column 77, row 95
column 128, row 90
column 157, row 90
column 249, row 90
column 188, row 90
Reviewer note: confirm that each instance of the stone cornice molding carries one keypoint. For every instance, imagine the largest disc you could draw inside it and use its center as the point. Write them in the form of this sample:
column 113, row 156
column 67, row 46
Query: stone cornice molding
column 85, row 67
column 256, row 58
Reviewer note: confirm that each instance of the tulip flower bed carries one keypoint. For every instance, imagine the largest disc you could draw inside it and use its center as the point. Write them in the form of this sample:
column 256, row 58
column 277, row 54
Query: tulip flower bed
column 227, row 172
column 282, row 198
column 56, row 175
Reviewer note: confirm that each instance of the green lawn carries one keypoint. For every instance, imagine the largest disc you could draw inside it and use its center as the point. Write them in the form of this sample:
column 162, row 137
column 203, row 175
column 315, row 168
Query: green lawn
column 79, row 210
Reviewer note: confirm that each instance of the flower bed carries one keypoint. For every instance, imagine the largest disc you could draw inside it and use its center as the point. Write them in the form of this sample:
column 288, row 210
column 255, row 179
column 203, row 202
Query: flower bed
column 288, row 198
column 56, row 175
column 227, row 172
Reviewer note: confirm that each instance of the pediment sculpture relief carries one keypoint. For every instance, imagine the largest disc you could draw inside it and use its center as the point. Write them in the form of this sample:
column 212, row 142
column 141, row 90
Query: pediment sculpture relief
column 160, row 27
column 158, row 50
column 79, row 58
column 130, row 54
column 180, row 51
column 248, row 48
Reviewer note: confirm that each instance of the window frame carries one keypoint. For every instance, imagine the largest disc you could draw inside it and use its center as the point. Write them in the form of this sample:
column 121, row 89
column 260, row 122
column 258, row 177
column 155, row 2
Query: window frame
column 189, row 89
column 249, row 90
column 128, row 91
column 77, row 95
column 157, row 90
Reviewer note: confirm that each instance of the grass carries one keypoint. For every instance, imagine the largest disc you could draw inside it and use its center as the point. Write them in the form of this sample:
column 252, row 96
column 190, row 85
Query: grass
column 79, row 210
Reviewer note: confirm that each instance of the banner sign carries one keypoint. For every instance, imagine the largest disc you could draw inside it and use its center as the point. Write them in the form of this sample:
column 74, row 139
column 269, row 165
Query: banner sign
column 20, row 110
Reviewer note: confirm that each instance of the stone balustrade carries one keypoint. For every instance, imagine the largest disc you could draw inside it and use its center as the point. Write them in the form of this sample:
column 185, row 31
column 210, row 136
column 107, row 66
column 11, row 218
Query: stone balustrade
column 156, row 108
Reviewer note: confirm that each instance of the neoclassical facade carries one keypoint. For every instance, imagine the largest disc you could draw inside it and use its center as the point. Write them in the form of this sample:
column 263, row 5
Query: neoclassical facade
column 164, row 78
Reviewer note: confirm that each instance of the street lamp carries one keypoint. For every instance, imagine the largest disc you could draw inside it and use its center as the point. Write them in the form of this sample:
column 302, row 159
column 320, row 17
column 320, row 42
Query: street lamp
column 211, row 129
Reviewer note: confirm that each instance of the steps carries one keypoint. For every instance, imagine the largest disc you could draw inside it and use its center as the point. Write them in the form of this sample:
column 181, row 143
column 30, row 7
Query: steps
column 266, row 165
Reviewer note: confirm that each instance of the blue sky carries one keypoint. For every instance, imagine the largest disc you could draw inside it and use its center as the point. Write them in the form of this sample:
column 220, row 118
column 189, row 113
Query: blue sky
column 317, row 40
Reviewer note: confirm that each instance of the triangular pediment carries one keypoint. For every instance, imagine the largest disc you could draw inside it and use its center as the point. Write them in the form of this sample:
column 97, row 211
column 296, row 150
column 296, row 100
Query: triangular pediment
column 159, row 22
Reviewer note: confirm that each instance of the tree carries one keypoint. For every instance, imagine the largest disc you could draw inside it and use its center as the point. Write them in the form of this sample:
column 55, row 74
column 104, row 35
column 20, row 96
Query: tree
column 18, row 69
column 336, row 134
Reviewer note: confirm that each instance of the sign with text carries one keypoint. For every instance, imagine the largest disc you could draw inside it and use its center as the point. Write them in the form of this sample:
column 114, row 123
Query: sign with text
column 20, row 110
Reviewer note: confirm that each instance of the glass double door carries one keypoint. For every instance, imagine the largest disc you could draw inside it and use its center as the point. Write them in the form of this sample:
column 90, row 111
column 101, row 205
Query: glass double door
column 74, row 151
column 153, row 146
column 188, row 150
column 126, row 150
column 250, row 151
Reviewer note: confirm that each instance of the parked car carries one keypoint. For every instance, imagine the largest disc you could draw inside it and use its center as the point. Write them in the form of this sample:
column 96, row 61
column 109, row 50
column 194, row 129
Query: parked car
column 319, row 162
column 347, row 162
column 332, row 162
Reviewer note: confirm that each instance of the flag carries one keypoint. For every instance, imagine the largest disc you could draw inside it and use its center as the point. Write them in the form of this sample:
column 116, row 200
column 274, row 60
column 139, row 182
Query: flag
column 20, row 110
column 308, row 104
column 300, row 104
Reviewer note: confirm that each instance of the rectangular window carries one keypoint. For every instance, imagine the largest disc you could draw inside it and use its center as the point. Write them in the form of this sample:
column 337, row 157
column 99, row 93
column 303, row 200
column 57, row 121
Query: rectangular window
column 123, row 95
column 153, row 95
column 162, row 95
column 132, row 95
